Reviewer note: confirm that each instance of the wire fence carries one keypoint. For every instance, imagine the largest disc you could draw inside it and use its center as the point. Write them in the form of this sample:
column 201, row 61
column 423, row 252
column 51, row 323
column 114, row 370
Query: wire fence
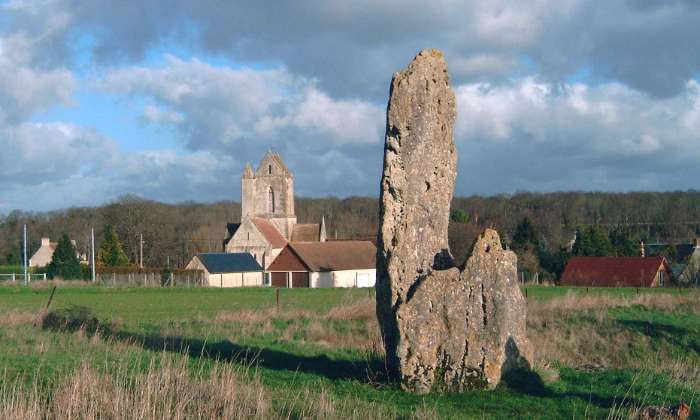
column 151, row 278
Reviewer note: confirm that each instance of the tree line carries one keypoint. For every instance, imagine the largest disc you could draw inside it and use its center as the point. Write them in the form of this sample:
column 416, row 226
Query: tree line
column 176, row 232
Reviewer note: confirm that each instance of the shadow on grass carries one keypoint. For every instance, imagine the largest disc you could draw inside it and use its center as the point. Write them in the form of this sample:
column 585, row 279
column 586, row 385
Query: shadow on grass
column 77, row 318
column 677, row 336
column 526, row 382
column 370, row 371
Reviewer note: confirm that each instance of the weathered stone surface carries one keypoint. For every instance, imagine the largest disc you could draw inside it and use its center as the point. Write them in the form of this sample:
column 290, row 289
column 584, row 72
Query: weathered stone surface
column 443, row 326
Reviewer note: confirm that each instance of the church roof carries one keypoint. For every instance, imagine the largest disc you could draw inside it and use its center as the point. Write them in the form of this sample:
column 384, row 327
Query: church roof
column 270, row 232
column 222, row 262
column 306, row 232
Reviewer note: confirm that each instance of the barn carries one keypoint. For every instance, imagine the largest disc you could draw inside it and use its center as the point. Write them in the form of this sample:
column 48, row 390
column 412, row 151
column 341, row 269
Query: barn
column 617, row 272
column 325, row 264
column 228, row 269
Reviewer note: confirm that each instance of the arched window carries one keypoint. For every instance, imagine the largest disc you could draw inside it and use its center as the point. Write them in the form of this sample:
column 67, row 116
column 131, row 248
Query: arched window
column 271, row 201
column 269, row 169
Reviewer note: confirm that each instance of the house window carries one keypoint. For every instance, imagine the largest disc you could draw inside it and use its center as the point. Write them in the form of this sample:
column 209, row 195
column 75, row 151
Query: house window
column 271, row 201
column 661, row 279
column 266, row 279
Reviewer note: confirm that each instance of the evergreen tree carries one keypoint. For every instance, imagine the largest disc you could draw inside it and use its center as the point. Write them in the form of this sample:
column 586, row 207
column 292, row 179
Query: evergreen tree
column 12, row 259
column 593, row 242
column 622, row 242
column 525, row 236
column 554, row 262
column 111, row 253
column 65, row 263
column 459, row 216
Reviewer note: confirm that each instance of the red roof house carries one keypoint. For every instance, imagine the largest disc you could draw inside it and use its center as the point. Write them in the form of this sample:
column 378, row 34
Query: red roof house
column 617, row 272
column 325, row 264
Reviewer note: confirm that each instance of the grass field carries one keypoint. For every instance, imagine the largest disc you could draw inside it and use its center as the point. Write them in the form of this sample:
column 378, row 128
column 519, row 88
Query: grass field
column 168, row 353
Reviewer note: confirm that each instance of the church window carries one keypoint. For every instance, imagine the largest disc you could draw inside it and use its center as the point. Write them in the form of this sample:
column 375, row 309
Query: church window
column 271, row 201
column 248, row 235
column 269, row 169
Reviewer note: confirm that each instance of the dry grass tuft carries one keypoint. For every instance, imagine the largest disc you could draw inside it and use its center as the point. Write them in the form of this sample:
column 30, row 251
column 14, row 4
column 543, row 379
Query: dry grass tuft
column 577, row 329
column 168, row 390
column 159, row 393
column 364, row 309
column 16, row 319
column 582, row 302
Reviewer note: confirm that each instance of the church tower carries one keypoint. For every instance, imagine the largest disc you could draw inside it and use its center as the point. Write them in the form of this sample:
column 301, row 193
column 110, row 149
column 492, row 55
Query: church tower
column 268, row 193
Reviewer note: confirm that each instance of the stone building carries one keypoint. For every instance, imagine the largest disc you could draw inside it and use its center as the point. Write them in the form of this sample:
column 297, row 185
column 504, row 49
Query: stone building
column 268, row 221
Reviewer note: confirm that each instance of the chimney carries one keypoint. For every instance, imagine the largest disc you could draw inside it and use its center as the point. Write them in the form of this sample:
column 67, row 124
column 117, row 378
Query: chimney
column 641, row 248
column 45, row 242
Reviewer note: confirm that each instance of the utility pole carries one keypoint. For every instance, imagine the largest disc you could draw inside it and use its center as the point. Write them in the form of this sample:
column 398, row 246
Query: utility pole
column 141, row 249
column 92, row 253
column 26, row 279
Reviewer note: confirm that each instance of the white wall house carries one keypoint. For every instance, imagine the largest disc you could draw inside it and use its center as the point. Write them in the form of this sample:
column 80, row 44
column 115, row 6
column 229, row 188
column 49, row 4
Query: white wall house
column 42, row 257
column 228, row 269
column 325, row 264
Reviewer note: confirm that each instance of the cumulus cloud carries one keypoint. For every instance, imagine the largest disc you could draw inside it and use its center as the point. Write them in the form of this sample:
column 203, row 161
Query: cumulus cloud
column 223, row 106
column 49, row 166
column 351, row 50
column 25, row 89
column 552, row 94
column 574, row 136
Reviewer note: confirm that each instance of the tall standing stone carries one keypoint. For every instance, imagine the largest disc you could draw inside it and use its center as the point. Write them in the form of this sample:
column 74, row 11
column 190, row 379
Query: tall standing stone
column 443, row 326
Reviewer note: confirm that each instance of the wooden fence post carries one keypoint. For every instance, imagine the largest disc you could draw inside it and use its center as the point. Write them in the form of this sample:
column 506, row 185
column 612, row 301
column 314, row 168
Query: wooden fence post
column 50, row 298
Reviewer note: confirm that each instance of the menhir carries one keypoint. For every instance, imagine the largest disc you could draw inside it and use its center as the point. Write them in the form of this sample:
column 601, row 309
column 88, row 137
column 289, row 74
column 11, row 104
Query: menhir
column 446, row 327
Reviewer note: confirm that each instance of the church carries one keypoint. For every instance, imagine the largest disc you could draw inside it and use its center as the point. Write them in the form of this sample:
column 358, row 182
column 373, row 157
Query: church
column 291, row 254
column 268, row 221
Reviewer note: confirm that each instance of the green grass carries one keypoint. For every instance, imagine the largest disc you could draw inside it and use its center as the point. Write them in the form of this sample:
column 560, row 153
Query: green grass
column 289, row 359
column 163, row 304
column 9, row 269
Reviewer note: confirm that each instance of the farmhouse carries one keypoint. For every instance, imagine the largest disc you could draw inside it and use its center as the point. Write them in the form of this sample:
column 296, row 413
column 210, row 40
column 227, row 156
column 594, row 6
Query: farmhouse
column 268, row 221
column 42, row 257
column 617, row 272
column 686, row 256
column 228, row 269
column 325, row 264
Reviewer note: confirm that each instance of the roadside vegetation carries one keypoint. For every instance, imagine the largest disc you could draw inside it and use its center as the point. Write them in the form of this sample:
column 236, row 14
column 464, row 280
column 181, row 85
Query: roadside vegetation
column 202, row 353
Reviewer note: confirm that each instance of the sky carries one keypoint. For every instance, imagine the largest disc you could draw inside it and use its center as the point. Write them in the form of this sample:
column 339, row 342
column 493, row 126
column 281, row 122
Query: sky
column 168, row 100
